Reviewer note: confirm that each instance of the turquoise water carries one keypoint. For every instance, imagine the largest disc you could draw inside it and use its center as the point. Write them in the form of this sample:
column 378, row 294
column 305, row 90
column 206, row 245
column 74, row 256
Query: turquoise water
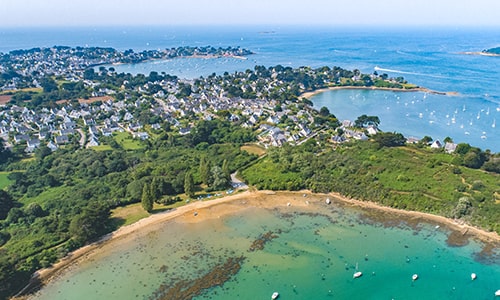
column 311, row 257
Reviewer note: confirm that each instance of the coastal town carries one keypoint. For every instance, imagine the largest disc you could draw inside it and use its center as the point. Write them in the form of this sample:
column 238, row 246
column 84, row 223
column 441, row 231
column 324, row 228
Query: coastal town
column 88, row 101
column 81, row 143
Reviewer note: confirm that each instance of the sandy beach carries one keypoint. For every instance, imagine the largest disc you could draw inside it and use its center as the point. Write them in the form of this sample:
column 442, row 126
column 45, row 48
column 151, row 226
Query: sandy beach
column 418, row 89
column 305, row 200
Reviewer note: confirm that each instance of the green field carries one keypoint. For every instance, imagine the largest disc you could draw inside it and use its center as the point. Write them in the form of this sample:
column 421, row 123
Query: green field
column 4, row 181
column 127, row 142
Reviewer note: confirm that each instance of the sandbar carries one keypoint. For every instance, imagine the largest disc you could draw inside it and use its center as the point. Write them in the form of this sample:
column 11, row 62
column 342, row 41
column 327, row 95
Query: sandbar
column 374, row 88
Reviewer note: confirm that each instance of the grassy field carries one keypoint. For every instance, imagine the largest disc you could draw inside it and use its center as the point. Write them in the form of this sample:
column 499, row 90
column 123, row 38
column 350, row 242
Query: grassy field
column 127, row 142
column 102, row 148
column 34, row 90
column 4, row 181
column 253, row 149
column 129, row 214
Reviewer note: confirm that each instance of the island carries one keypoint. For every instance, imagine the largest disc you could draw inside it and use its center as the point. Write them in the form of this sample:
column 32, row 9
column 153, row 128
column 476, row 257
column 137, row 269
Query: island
column 487, row 52
column 85, row 150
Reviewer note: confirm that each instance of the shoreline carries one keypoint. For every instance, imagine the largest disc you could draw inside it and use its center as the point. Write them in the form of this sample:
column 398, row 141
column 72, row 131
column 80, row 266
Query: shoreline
column 310, row 94
column 200, row 211
column 480, row 53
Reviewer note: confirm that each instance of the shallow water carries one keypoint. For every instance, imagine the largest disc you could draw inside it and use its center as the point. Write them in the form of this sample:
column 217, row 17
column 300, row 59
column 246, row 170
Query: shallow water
column 310, row 256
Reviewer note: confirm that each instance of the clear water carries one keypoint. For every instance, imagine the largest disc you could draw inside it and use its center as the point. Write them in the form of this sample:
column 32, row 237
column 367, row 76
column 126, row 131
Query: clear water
column 313, row 257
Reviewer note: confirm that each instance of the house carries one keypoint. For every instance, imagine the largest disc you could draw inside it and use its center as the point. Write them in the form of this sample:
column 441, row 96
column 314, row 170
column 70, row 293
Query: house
column 53, row 147
column 273, row 120
column 33, row 143
column 372, row 130
column 61, row 139
column 184, row 131
column 92, row 141
column 436, row 145
column 106, row 131
column 21, row 138
column 253, row 119
column 134, row 126
column 338, row 139
column 141, row 135
column 450, row 147
column 93, row 130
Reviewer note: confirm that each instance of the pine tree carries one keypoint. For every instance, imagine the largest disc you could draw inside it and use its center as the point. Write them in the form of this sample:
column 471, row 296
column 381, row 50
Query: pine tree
column 189, row 185
column 147, row 198
column 220, row 181
column 204, row 171
column 157, row 188
column 225, row 170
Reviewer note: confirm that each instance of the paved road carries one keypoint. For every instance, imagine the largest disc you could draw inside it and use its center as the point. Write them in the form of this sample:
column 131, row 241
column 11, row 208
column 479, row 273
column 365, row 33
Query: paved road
column 236, row 183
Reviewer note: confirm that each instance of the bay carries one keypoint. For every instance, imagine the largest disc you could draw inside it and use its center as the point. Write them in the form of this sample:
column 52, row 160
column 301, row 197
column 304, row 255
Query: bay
column 311, row 253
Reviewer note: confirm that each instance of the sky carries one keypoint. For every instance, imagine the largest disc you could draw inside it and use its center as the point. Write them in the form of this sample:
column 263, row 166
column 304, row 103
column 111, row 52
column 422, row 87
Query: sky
column 27, row 13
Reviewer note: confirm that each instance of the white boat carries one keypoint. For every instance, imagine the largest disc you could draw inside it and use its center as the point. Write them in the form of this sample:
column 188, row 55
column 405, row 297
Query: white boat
column 473, row 276
column 494, row 123
column 275, row 295
column 414, row 277
column 357, row 274
column 497, row 293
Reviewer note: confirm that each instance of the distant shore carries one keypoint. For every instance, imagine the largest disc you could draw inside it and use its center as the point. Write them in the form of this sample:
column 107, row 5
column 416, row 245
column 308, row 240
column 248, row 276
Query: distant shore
column 374, row 88
column 305, row 200
column 480, row 53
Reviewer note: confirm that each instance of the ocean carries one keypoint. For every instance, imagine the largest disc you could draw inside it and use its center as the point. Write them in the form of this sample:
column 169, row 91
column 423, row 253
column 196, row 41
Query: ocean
column 306, row 253
column 311, row 256
column 428, row 57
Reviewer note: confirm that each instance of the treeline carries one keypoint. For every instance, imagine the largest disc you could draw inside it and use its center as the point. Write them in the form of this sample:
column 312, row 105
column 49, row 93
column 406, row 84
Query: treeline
column 405, row 177
column 59, row 201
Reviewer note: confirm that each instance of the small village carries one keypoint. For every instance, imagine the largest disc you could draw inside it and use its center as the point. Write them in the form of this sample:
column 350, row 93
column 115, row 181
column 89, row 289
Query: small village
column 267, row 100
column 87, row 120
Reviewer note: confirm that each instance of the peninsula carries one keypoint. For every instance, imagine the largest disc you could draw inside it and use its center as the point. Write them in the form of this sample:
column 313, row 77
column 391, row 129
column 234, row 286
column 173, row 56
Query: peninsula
column 487, row 52
column 79, row 145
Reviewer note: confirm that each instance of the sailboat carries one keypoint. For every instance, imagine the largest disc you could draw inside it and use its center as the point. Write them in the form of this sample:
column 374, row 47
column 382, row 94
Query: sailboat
column 358, row 273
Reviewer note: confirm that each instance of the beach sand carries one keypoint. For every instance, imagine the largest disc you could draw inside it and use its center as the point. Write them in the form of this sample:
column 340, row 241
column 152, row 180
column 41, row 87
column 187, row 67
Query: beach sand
column 229, row 205
column 308, row 95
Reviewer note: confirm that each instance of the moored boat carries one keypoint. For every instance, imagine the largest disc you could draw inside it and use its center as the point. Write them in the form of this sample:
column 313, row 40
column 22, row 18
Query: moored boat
column 357, row 274
column 473, row 276
column 275, row 295
column 497, row 293
column 414, row 277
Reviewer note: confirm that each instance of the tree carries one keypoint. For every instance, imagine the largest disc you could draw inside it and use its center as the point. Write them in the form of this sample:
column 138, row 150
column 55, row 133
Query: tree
column 225, row 170
column 42, row 152
column 389, row 139
column 324, row 112
column 364, row 120
column 204, row 170
column 48, row 84
column 147, row 198
column 462, row 208
column 6, row 204
column 90, row 224
column 448, row 140
column 189, row 185
column 157, row 188
column 220, row 181
column 426, row 140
